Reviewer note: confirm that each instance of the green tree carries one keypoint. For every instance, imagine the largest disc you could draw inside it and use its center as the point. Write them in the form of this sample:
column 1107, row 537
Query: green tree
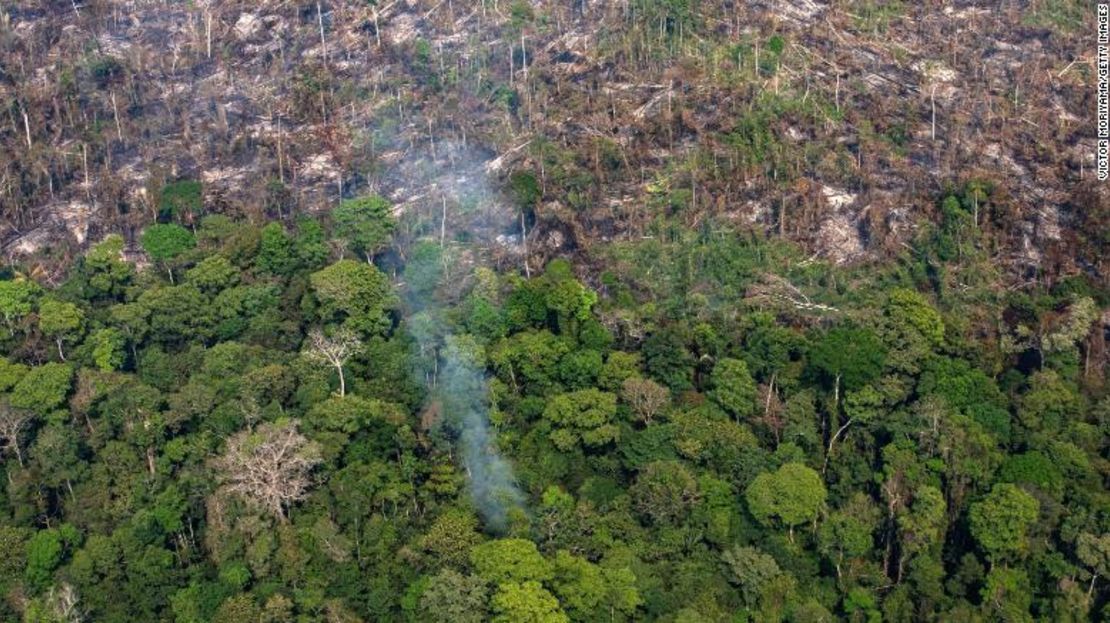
column 449, row 539
column 922, row 525
column 212, row 274
column 1049, row 404
column 108, row 349
column 354, row 293
column 911, row 312
column 912, row 330
column 862, row 406
column 751, row 570
column 969, row 390
column 169, row 315
column 848, row 358
column 668, row 360
column 181, row 200
column 1000, row 522
column 571, row 301
column 583, row 417
column 106, row 273
column 165, row 242
column 590, row 592
column 1007, row 595
column 664, row 492
column 45, row 552
column 276, row 254
column 60, row 320
column 733, row 388
column 452, row 596
column 525, row 602
column 17, row 299
column 366, row 223
column 44, row 388
column 56, row 456
column 10, row 373
column 1094, row 552
column 310, row 244
column 768, row 347
column 238, row 609
column 525, row 188
column 527, row 360
column 510, row 560
column 847, row 532
column 790, row 496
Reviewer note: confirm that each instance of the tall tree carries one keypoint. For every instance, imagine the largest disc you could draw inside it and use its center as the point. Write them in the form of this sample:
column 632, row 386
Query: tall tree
column 60, row 320
column 13, row 422
column 733, row 388
column 366, row 223
column 354, row 293
column 270, row 466
column 646, row 397
column 582, row 418
column 791, row 496
column 1001, row 520
column 17, row 298
column 333, row 350
column 165, row 242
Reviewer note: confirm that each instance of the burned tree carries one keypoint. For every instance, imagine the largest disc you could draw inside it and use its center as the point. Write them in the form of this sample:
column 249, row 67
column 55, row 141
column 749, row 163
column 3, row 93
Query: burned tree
column 334, row 350
column 646, row 397
column 12, row 423
column 269, row 466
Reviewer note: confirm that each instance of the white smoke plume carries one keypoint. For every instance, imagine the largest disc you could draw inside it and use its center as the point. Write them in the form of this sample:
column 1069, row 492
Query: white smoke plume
column 459, row 218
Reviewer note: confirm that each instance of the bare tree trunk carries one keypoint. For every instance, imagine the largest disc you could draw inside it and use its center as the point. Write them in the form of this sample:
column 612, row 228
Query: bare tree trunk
column 443, row 224
column 835, row 414
column 377, row 29
column 208, row 32
column 832, row 441
column 27, row 128
column 767, row 409
column 281, row 152
column 524, row 244
column 85, row 163
column 933, row 103
column 115, row 112
column 323, row 40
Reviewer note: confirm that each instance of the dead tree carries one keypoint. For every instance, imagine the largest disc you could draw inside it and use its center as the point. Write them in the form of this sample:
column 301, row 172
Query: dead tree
column 65, row 604
column 334, row 350
column 646, row 397
column 12, row 423
column 270, row 466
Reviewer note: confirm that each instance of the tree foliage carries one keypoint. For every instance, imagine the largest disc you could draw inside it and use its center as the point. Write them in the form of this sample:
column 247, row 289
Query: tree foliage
column 276, row 435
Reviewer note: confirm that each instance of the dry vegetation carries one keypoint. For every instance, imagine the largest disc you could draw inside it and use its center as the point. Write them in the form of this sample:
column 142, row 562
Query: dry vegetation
column 836, row 124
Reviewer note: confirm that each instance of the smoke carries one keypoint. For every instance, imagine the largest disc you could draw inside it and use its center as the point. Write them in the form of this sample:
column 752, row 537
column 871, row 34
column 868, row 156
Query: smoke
column 456, row 220
column 464, row 393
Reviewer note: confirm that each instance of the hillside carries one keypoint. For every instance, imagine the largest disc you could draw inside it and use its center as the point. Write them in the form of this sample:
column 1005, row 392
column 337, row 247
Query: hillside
column 836, row 125
column 682, row 311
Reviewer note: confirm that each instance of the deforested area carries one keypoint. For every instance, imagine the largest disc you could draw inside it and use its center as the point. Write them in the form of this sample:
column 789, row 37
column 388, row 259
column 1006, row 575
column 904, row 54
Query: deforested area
column 520, row 310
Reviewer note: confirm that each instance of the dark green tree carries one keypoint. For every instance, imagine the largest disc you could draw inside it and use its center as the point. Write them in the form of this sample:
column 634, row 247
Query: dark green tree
column 365, row 223
column 165, row 243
